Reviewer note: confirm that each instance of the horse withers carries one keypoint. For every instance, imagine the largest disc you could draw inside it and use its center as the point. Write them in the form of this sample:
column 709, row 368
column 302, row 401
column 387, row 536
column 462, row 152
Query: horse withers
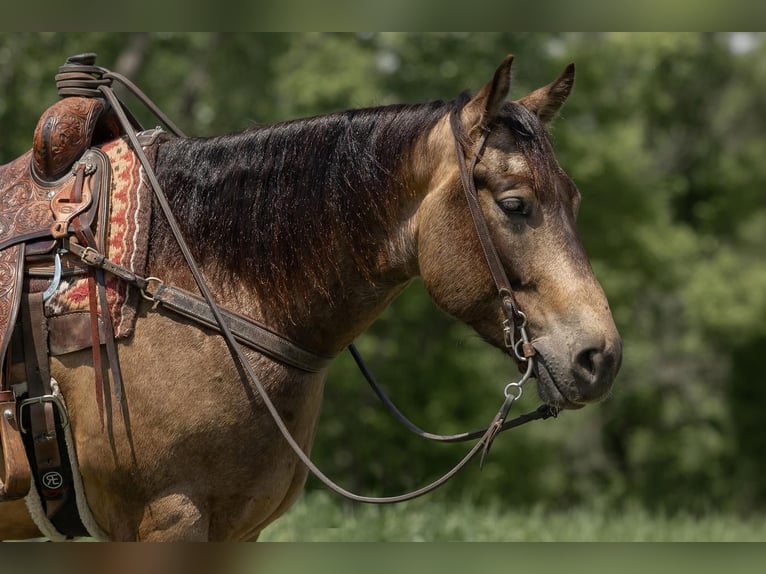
column 313, row 227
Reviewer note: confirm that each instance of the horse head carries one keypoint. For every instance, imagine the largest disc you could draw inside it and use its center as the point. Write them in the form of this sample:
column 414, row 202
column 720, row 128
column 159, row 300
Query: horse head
column 530, row 208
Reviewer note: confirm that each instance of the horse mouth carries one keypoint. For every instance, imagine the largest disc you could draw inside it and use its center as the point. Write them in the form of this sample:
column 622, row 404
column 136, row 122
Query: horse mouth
column 551, row 389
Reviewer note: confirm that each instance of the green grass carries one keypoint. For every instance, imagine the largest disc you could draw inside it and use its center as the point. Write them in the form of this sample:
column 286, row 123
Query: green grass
column 319, row 516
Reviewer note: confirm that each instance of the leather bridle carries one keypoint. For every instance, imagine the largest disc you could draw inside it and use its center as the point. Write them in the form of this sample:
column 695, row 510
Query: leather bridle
column 99, row 80
column 515, row 319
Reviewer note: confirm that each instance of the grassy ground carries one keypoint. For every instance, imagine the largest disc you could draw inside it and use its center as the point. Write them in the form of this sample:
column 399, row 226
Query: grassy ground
column 321, row 517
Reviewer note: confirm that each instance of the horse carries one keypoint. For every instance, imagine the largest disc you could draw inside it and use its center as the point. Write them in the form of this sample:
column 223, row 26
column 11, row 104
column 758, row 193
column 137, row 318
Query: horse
column 313, row 226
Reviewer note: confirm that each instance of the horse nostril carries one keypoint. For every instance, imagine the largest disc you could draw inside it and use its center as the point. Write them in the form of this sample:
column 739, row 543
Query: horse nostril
column 590, row 362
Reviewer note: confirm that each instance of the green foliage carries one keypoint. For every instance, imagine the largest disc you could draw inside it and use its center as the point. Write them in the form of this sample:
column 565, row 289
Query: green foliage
column 317, row 518
column 665, row 135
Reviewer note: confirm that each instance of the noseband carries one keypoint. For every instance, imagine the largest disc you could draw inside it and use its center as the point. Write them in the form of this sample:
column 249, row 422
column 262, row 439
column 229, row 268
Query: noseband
column 515, row 321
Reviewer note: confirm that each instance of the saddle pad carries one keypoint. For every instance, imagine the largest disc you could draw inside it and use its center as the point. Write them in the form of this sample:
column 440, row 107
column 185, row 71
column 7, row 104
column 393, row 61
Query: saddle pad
column 127, row 241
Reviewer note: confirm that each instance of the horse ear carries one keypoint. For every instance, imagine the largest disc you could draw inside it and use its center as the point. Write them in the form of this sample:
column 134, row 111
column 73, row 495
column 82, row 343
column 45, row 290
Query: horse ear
column 485, row 105
column 546, row 102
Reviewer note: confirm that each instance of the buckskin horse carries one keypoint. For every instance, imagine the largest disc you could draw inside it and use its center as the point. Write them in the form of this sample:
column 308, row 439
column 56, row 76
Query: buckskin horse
column 312, row 227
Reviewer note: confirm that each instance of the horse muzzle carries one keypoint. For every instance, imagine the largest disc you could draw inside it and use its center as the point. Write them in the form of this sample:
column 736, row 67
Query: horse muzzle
column 582, row 374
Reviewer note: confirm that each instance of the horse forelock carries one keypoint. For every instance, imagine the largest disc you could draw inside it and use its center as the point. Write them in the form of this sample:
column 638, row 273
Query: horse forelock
column 531, row 139
column 276, row 205
column 533, row 142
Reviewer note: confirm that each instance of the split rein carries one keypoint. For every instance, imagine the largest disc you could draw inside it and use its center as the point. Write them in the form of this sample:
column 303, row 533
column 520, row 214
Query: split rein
column 94, row 81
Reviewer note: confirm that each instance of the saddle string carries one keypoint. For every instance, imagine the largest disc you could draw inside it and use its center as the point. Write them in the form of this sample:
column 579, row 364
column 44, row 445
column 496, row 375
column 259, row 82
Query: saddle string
column 241, row 362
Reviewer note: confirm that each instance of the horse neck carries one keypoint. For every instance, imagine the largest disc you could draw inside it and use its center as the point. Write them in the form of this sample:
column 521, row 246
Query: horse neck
column 331, row 286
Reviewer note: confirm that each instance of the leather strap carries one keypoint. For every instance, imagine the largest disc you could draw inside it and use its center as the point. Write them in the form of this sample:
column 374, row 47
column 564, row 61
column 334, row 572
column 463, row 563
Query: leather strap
column 17, row 476
column 106, row 320
column 94, row 258
column 503, row 285
column 85, row 234
column 541, row 413
column 95, row 344
column 80, row 230
column 247, row 331
column 44, row 436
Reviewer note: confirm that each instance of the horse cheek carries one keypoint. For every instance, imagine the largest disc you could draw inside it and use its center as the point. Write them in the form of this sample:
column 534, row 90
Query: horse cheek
column 448, row 266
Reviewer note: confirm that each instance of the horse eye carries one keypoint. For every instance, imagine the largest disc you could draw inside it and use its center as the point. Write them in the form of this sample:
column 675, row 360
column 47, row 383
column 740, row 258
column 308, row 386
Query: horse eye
column 514, row 205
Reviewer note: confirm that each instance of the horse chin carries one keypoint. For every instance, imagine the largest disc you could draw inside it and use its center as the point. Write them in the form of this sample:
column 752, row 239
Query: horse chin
column 551, row 391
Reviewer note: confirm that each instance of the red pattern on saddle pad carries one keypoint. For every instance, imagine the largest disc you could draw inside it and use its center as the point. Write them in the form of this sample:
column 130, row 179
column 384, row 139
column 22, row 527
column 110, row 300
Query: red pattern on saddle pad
column 127, row 242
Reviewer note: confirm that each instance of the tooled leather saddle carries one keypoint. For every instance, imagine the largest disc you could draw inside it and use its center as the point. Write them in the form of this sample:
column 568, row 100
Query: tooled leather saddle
column 55, row 192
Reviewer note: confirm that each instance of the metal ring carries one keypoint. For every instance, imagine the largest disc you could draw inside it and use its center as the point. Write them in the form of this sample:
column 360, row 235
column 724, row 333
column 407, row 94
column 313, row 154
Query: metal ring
column 144, row 293
column 515, row 385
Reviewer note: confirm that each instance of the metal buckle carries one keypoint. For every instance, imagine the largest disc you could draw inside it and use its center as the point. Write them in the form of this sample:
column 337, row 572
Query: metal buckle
column 90, row 256
column 44, row 399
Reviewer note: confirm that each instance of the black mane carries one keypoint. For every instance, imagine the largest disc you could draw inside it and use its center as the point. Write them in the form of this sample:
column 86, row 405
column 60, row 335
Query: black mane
column 275, row 203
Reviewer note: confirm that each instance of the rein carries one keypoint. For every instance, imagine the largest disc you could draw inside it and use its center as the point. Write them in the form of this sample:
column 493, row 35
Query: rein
column 90, row 80
column 542, row 412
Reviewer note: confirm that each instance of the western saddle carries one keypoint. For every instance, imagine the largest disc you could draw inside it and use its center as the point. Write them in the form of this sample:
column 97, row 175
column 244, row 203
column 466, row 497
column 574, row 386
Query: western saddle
column 51, row 198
